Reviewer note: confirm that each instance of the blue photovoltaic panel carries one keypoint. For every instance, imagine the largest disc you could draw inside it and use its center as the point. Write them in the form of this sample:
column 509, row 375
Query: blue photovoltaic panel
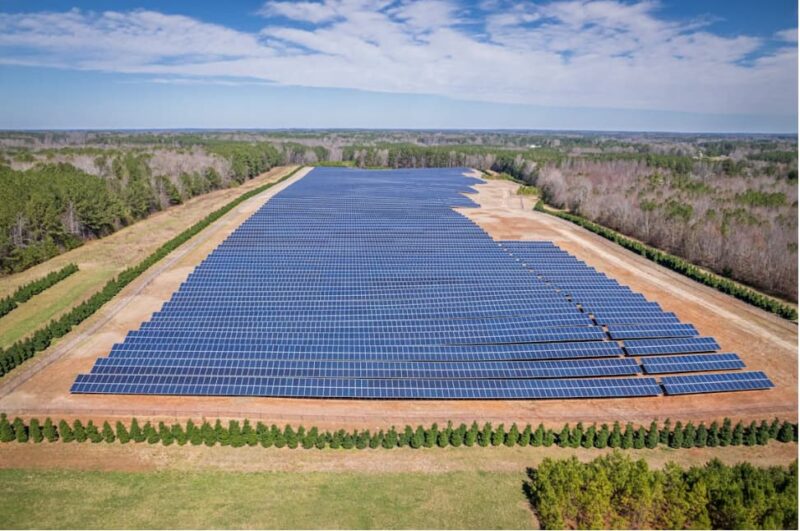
column 716, row 383
column 368, row 284
column 692, row 363
column 689, row 345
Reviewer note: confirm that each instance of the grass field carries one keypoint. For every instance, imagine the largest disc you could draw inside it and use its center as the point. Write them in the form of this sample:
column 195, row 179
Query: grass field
column 61, row 499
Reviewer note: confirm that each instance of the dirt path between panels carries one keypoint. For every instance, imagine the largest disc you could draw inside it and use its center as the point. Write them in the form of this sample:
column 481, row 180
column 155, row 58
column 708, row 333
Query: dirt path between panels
column 144, row 457
column 764, row 341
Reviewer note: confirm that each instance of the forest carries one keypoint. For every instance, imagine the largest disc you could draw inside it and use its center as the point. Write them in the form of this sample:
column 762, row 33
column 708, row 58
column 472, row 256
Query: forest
column 724, row 202
column 616, row 492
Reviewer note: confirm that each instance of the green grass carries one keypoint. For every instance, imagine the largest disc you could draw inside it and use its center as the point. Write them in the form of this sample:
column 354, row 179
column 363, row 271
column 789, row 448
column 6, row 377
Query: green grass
column 61, row 499
column 51, row 304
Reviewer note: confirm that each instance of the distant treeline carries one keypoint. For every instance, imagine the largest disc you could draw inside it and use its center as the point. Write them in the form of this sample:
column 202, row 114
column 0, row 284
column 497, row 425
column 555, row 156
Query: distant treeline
column 53, row 207
column 616, row 492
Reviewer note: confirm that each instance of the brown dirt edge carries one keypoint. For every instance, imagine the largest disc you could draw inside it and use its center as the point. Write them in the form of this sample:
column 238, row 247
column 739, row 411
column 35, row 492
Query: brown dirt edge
column 144, row 457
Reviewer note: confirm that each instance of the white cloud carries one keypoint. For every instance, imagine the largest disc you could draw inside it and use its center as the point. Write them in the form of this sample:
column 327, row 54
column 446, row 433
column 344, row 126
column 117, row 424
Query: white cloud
column 603, row 54
column 788, row 35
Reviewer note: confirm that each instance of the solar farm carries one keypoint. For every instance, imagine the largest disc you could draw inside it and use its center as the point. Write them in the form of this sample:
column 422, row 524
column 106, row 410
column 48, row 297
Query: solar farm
column 361, row 284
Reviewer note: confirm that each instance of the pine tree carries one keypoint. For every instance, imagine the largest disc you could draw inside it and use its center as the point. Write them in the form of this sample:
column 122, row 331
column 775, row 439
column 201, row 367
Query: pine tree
column 457, row 436
column 310, row 440
column 35, row 431
column 774, row 428
column 664, row 434
column 336, row 440
column 49, row 430
column 499, row 435
column 122, row 434
column 627, row 439
column 576, row 436
column 279, row 438
column 738, row 434
column 471, row 437
column 224, row 436
column 390, row 439
column 786, row 434
column 108, row 434
column 601, row 441
column 6, row 431
column 377, row 440
column 405, row 437
column 441, row 439
column 362, row 441
column 79, row 431
column 563, row 437
column 323, row 438
column 137, row 435
column 689, row 435
column 589, row 437
column 93, row 433
column 549, row 438
column 713, row 435
column 431, row 435
column 235, row 438
column 209, row 435
column 348, row 440
column 676, row 441
column 654, row 435
column 512, row 437
column 640, row 439
column 538, row 436
column 264, row 434
column 180, row 436
column 291, row 437
column 701, row 439
column 249, row 434
column 615, row 440
column 763, row 433
column 20, row 430
column 726, row 433
column 150, row 433
column 418, row 439
column 525, row 438
column 752, row 438
column 65, row 432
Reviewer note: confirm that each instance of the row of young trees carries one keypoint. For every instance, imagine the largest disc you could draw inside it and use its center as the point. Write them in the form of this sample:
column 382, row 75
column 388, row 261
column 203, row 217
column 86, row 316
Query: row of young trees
column 28, row 290
column 616, row 492
column 680, row 265
column 245, row 434
column 25, row 349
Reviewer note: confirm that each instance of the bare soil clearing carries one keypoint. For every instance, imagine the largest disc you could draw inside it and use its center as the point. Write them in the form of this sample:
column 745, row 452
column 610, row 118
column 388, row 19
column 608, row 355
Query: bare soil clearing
column 764, row 341
column 145, row 457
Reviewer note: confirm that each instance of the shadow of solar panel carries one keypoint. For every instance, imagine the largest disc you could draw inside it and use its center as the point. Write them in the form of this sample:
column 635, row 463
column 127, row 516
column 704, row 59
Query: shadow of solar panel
column 716, row 383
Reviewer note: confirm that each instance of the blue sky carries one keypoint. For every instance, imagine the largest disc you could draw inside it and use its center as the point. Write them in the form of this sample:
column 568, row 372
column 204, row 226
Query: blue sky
column 704, row 65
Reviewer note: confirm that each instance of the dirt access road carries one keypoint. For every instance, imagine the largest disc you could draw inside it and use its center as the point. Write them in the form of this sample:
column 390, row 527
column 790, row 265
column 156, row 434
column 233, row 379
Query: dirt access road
column 764, row 341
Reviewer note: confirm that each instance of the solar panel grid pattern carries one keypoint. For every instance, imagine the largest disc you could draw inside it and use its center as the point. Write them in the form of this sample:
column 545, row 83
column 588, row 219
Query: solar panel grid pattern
column 367, row 284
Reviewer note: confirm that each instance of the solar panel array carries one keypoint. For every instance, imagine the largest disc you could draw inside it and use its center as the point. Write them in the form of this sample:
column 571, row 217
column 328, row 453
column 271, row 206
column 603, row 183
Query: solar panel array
column 367, row 284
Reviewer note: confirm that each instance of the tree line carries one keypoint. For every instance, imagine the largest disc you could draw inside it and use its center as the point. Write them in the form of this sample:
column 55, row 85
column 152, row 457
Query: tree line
column 616, row 492
column 238, row 434
column 25, row 349
column 28, row 290
column 51, row 207
column 680, row 265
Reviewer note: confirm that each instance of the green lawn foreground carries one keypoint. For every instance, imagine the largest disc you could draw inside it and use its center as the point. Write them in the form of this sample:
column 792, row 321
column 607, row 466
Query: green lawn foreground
column 68, row 499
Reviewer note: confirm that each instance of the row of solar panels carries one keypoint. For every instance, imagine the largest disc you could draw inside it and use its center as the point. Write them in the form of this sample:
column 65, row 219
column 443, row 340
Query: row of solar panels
column 417, row 388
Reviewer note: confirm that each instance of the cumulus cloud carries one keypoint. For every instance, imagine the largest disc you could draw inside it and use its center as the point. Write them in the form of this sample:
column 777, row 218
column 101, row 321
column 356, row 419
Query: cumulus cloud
column 573, row 53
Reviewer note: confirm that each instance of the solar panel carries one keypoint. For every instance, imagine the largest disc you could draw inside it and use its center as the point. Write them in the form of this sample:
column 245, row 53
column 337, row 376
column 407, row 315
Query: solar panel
column 692, row 363
column 368, row 284
column 688, row 345
column 716, row 383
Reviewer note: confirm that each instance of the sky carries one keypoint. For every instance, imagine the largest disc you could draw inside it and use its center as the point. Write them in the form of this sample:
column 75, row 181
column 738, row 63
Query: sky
column 687, row 66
